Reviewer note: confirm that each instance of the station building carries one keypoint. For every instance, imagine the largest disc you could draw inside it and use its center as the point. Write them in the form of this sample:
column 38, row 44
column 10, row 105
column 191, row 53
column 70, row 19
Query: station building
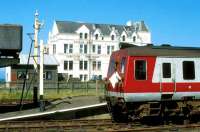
column 83, row 49
column 15, row 74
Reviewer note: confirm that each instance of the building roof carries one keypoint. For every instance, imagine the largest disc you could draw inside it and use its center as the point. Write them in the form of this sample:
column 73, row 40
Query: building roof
column 164, row 50
column 72, row 27
column 48, row 60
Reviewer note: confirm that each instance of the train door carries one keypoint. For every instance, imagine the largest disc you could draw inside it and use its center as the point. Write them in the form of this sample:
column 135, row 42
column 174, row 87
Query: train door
column 167, row 76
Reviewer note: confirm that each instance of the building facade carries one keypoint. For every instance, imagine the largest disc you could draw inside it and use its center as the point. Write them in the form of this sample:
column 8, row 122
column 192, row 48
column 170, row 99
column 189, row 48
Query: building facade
column 83, row 49
column 16, row 74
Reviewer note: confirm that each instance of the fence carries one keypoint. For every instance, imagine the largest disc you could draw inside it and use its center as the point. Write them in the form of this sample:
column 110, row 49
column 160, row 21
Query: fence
column 57, row 89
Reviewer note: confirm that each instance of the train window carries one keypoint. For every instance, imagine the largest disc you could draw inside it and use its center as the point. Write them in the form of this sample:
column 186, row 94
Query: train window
column 188, row 70
column 166, row 70
column 140, row 70
column 123, row 64
column 116, row 65
column 111, row 67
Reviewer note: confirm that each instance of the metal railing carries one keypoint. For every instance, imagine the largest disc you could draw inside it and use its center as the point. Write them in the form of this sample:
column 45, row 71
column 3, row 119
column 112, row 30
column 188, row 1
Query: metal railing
column 56, row 89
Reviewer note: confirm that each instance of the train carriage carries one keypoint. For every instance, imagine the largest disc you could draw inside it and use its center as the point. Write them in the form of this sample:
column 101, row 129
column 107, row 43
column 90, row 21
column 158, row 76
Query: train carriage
column 153, row 80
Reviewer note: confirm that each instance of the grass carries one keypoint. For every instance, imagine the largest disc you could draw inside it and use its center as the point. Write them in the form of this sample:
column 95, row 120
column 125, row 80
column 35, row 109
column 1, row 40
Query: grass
column 15, row 94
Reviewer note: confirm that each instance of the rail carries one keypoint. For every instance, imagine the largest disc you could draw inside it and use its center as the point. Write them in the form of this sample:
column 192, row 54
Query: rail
column 89, row 125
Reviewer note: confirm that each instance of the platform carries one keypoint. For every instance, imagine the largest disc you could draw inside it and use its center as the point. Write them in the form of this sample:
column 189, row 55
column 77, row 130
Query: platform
column 66, row 108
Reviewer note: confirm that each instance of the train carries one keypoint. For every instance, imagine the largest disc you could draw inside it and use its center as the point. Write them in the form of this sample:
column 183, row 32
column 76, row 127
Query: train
column 153, row 81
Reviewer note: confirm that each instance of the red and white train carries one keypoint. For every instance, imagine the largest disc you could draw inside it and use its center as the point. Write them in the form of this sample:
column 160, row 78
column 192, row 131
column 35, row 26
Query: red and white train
column 153, row 80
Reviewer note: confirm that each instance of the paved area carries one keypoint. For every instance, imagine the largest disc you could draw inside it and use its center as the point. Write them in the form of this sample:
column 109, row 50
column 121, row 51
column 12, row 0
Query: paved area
column 56, row 106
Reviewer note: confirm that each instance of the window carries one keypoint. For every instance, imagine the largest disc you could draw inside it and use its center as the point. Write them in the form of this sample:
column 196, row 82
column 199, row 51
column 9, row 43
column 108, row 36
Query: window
column 68, row 48
column 166, row 70
column 54, row 48
column 85, row 49
column 112, row 48
column 83, row 65
column 85, row 77
column 70, row 76
column 123, row 65
column 99, row 49
column 68, row 65
column 86, row 35
column 140, row 70
column 134, row 38
column 94, row 65
column 123, row 38
column 188, row 70
column 111, row 68
column 93, row 48
column 99, row 65
column 21, row 75
column 100, row 77
column 96, row 36
column 81, row 48
column 108, row 50
column 47, row 75
column 81, row 35
column 81, row 77
column 65, row 65
column 65, row 48
column 113, row 37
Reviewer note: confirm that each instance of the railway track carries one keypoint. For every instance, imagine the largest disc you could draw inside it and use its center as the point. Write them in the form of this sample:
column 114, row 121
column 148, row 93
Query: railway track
column 90, row 125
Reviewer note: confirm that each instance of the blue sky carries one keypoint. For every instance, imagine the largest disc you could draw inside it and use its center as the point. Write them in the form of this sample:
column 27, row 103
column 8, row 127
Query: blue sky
column 170, row 21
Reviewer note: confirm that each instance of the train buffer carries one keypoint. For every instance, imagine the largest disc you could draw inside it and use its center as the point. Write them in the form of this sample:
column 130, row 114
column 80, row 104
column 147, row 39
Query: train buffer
column 67, row 108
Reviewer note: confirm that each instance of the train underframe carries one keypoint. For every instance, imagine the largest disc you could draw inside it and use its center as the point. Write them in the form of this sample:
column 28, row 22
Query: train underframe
column 164, row 111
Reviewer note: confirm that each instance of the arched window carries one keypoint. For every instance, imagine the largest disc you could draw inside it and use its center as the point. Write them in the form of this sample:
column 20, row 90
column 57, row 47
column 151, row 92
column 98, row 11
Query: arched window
column 123, row 38
column 134, row 38
column 113, row 37
column 96, row 36
column 86, row 35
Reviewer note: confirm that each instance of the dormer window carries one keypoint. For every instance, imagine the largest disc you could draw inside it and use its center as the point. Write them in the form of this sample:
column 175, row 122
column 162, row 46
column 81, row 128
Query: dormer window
column 123, row 38
column 113, row 37
column 134, row 38
column 86, row 35
column 96, row 36
column 81, row 35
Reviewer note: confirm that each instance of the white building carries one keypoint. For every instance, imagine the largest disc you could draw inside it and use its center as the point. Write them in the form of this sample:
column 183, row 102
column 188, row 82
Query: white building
column 83, row 49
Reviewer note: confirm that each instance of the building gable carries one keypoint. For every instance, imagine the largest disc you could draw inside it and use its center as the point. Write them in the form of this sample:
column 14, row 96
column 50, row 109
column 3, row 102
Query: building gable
column 54, row 29
column 83, row 29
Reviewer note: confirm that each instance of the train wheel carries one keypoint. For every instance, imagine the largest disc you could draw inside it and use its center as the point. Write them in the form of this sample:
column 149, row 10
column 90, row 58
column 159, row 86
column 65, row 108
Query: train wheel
column 110, row 109
column 119, row 112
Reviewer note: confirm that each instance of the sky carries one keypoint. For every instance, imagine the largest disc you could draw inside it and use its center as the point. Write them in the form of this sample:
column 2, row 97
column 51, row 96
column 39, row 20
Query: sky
column 175, row 22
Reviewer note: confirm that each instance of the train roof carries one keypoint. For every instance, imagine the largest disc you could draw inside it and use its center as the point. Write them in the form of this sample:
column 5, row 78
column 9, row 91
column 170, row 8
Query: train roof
column 163, row 50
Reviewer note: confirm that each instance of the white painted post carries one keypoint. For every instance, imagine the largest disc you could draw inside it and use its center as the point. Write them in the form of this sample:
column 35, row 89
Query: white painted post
column 41, row 76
